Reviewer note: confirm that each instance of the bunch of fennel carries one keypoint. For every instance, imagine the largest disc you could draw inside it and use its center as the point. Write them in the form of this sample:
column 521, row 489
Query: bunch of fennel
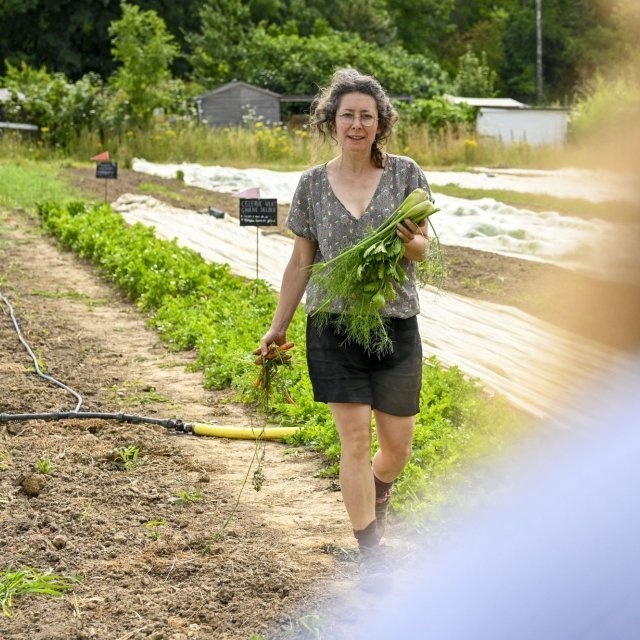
column 365, row 276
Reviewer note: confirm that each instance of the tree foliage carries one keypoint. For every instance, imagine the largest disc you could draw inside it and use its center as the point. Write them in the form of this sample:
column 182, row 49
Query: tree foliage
column 225, row 34
column 438, row 113
column 293, row 64
column 475, row 77
column 60, row 107
column 145, row 50
column 291, row 46
column 67, row 36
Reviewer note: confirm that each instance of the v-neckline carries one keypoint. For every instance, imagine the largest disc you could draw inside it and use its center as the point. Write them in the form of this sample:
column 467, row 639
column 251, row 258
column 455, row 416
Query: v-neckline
column 373, row 197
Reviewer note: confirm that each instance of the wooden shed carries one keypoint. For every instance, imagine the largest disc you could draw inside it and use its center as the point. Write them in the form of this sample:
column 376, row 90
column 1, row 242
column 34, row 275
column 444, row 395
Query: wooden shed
column 226, row 105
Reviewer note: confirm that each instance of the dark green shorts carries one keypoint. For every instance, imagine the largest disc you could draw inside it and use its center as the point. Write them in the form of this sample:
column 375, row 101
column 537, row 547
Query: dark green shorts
column 344, row 372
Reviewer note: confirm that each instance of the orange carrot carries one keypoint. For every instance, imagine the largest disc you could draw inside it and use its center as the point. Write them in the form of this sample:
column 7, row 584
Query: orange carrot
column 289, row 399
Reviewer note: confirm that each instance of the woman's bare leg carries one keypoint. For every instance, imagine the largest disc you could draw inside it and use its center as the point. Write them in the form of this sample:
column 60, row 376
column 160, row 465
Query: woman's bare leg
column 395, row 435
column 353, row 422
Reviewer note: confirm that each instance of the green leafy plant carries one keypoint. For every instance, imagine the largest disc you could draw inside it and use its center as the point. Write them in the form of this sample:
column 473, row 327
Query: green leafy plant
column 475, row 77
column 128, row 457
column 153, row 528
column 45, row 466
column 25, row 581
column 86, row 512
column 41, row 363
column 145, row 49
column 187, row 497
column 364, row 278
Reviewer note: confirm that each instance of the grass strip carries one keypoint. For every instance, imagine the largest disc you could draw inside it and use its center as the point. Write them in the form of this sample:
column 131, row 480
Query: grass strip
column 24, row 185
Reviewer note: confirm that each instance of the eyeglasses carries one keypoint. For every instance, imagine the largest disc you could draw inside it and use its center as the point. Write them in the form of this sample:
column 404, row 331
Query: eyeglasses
column 366, row 119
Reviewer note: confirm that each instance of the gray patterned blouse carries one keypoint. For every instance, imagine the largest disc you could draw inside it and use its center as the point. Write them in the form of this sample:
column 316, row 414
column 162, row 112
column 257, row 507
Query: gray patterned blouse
column 318, row 215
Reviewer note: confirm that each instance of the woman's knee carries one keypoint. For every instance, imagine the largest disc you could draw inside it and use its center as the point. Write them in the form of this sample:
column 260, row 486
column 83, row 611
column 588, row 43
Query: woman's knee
column 356, row 443
column 353, row 422
column 398, row 453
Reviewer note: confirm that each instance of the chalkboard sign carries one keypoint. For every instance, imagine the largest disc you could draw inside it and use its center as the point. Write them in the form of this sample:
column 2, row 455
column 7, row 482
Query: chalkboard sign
column 107, row 170
column 258, row 212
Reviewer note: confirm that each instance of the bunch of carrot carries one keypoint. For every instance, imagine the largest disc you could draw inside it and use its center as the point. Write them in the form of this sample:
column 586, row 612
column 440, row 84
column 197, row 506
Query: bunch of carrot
column 365, row 277
column 276, row 356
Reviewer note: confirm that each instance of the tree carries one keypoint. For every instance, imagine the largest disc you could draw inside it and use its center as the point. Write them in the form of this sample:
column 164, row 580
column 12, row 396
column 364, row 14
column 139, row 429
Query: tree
column 422, row 25
column 145, row 50
column 68, row 36
column 292, row 64
column 370, row 19
column 475, row 78
column 181, row 19
column 225, row 32
column 578, row 38
column 484, row 34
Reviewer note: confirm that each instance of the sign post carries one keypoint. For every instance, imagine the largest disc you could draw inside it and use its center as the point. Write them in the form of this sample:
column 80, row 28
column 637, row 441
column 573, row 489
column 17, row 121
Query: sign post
column 105, row 170
column 258, row 212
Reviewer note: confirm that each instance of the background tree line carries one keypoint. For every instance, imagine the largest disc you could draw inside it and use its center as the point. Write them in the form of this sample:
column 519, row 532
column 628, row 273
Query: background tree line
column 289, row 46
column 109, row 66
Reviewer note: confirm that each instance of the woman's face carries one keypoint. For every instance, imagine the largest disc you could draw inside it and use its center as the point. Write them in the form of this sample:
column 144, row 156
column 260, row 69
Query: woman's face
column 356, row 122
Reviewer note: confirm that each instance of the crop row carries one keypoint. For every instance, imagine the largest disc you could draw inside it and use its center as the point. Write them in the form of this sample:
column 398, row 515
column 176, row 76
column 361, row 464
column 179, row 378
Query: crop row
column 201, row 306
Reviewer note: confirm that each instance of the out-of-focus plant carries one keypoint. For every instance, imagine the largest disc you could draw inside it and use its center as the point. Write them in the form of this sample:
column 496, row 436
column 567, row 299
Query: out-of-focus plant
column 604, row 102
column 59, row 107
column 145, row 49
column 475, row 77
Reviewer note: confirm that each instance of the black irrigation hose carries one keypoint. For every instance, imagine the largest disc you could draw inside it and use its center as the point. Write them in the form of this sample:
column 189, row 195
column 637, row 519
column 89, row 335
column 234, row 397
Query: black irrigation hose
column 35, row 360
column 178, row 425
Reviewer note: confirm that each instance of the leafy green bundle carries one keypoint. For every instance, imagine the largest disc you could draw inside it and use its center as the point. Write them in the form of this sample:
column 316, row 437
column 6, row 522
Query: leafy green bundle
column 364, row 277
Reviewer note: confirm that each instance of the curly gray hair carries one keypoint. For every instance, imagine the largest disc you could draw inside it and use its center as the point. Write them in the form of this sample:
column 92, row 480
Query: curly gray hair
column 325, row 106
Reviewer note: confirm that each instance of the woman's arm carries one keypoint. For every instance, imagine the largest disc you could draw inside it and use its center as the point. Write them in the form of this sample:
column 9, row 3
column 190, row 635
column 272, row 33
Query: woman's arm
column 294, row 281
column 415, row 240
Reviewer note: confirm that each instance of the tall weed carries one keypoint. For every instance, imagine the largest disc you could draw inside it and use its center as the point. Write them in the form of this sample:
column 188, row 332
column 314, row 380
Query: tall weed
column 279, row 147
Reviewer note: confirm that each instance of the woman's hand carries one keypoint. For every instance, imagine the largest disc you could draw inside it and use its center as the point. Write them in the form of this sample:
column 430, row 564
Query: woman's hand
column 279, row 337
column 414, row 239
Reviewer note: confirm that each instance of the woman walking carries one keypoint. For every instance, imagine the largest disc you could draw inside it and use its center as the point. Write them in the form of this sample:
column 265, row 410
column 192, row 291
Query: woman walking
column 335, row 205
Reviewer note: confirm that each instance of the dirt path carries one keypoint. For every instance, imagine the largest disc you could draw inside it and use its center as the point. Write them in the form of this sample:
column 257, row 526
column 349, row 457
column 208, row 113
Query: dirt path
column 92, row 519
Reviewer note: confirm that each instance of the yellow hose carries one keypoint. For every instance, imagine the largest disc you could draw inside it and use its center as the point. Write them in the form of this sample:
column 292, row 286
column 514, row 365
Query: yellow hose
column 246, row 433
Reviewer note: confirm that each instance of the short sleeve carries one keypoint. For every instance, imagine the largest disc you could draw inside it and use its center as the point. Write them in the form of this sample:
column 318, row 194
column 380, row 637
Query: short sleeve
column 301, row 218
column 418, row 179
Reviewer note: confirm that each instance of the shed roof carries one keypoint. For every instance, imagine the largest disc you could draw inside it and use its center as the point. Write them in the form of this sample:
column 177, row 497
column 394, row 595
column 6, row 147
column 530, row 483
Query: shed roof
column 503, row 103
column 235, row 83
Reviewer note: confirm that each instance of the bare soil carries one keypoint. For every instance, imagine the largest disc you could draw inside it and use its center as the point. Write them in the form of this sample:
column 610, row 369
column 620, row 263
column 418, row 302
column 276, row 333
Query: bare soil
column 91, row 518
column 152, row 564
